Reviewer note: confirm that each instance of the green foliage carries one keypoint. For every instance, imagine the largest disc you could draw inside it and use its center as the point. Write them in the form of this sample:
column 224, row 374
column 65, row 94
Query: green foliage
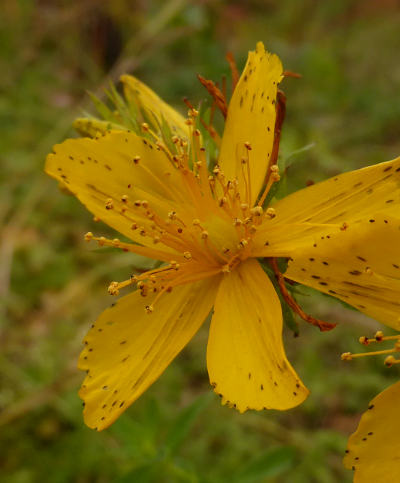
column 53, row 284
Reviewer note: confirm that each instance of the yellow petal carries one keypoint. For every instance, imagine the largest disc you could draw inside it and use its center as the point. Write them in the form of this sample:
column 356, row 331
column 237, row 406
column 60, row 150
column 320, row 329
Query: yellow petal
column 284, row 239
column 347, row 197
column 127, row 349
column 251, row 119
column 103, row 175
column 308, row 214
column 245, row 355
column 145, row 98
column 373, row 451
column 359, row 265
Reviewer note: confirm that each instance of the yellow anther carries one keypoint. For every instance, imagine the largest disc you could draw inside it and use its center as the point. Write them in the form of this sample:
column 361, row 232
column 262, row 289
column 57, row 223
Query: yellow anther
column 88, row 236
column 156, row 239
column 243, row 243
column 204, row 234
column 96, row 219
column 216, row 170
column 368, row 271
column 244, row 206
column 149, row 309
column 187, row 255
column 237, row 222
column 133, row 278
column 270, row 212
column 253, row 229
column 344, row 226
column 175, row 139
column 248, row 220
column 137, row 203
column 174, row 264
column 196, row 222
column 346, row 356
column 116, row 242
column 145, row 204
column 140, row 285
column 109, row 204
column 390, row 360
column 189, row 122
column 275, row 177
column 134, row 226
column 226, row 268
column 274, row 168
column 113, row 288
column 363, row 340
column 101, row 241
column 142, row 231
column 197, row 132
column 222, row 201
column 379, row 336
column 247, row 146
column 256, row 211
column 172, row 215
column 124, row 199
column 145, row 126
column 136, row 159
column 243, row 160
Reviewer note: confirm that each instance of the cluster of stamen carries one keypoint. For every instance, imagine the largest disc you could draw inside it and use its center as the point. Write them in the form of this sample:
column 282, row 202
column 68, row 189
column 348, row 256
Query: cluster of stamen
column 390, row 360
column 207, row 195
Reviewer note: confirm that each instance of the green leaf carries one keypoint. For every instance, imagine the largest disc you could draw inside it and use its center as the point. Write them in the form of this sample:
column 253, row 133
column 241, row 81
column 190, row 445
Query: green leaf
column 183, row 423
column 145, row 473
column 270, row 464
column 101, row 108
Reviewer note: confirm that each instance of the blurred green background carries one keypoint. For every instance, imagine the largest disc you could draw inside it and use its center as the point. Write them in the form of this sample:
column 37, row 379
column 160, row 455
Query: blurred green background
column 346, row 112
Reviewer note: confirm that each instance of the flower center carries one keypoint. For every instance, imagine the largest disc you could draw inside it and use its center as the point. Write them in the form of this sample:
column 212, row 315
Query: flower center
column 203, row 227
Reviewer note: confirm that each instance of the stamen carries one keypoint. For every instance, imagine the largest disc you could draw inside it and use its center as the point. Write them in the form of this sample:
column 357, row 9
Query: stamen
column 378, row 338
column 273, row 177
column 390, row 361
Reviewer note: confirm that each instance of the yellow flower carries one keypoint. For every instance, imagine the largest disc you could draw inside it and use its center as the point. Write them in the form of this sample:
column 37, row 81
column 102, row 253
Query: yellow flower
column 373, row 451
column 209, row 228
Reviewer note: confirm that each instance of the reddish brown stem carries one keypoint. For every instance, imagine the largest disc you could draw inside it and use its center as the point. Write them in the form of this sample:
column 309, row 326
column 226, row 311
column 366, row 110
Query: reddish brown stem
column 234, row 70
column 280, row 117
column 215, row 93
column 323, row 326
column 289, row 73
